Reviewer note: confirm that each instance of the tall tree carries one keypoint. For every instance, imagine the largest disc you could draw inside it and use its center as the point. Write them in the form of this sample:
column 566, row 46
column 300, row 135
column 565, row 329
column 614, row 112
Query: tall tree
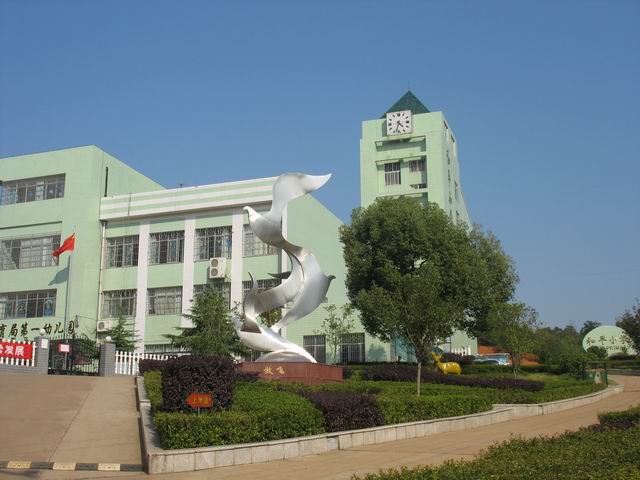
column 513, row 329
column 270, row 318
column 629, row 321
column 212, row 333
column 588, row 326
column 123, row 335
column 413, row 274
column 338, row 322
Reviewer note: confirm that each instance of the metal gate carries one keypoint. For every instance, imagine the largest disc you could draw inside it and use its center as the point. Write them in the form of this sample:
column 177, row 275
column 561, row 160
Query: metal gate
column 76, row 355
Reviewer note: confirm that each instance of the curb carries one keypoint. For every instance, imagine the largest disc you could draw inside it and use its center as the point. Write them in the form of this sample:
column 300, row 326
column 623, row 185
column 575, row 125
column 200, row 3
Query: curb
column 70, row 466
column 158, row 460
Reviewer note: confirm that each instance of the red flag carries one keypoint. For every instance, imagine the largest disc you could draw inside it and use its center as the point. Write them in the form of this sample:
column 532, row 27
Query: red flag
column 67, row 245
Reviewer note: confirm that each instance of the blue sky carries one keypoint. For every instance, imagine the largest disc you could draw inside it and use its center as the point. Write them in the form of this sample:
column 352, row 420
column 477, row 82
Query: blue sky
column 543, row 98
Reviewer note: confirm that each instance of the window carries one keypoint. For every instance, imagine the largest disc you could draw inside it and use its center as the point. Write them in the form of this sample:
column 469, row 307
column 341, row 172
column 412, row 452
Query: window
column 212, row 242
column 417, row 165
column 392, row 174
column 352, row 348
column 166, row 247
column 32, row 189
column 116, row 303
column 122, row 251
column 457, row 217
column 449, row 175
column 30, row 252
column 164, row 301
column 218, row 285
column 28, row 304
column 448, row 158
column 456, row 190
column 262, row 285
column 316, row 345
column 418, row 186
column 252, row 246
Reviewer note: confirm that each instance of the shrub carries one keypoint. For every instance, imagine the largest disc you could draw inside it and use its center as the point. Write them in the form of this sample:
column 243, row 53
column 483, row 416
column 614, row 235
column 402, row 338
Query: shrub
column 599, row 352
column 188, row 430
column 574, row 363
column 278, row 414
column 148, row 365
column 451, row 357
column 407, row 373
column 467, row 360
column 621, row 420
column 586, row 454
column 184, row 375
column 346, row 410
column 246, row 376
column 410, row 408
column 259, row 413
column 153, row 386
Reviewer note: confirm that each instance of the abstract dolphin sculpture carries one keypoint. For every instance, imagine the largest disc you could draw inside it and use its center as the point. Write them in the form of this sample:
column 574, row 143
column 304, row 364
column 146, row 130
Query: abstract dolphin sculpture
column 306, row 285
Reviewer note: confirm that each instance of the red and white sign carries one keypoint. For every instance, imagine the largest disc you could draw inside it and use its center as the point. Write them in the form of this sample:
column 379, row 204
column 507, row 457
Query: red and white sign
column 200, row 400
column 20, row 351
column 64, row 348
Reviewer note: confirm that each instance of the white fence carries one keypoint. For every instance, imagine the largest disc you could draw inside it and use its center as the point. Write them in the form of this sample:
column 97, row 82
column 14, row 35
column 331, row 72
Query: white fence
column 20, row 361
column 127, row 362
column 462, row 350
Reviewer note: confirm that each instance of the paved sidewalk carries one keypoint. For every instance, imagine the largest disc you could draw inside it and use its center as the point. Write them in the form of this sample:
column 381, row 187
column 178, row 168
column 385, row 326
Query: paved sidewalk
column 59, row 418
column 341, row 464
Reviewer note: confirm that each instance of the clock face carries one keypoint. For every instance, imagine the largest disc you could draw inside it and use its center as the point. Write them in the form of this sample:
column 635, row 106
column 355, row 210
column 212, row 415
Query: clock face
column 399, row 122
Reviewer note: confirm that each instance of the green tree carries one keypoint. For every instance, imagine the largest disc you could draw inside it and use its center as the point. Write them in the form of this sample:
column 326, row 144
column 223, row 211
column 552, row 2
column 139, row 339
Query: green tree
column 588, row 326
column 553, row 344
column 270, row 318
column 415, row 275
column 629, row 321
column 212, row 333
column 513, row 329
column 338, row 322
column 123, row 335
column 600, row 353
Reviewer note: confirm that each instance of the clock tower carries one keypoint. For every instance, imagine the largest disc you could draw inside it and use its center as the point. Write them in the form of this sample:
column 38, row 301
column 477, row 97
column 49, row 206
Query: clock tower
column 411, row 151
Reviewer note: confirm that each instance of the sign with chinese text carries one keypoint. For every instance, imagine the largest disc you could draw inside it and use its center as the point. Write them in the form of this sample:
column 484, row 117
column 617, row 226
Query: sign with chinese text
column 199, row 400
column 613, row 339
column 64, row 348
column 20, row 351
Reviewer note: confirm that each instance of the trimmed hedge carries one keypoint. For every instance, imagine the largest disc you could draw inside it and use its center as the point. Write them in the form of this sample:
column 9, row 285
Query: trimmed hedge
column 184, row 375
column 153, row 386
column 346, row 410
column 259, row 413
column 246, row 376
column 407, row 373
column 589, row 453
column 621, row 420
column 147, row 365
column 410, row 408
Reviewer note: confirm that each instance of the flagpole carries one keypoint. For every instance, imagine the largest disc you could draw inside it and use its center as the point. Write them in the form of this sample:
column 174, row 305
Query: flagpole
column 68, row 299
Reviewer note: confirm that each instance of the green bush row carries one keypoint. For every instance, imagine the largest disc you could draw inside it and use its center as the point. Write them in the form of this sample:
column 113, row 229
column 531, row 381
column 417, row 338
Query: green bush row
column 624, row 419
column 589, row 453
column 153, row 385
column 259, row 413
column 410, row 408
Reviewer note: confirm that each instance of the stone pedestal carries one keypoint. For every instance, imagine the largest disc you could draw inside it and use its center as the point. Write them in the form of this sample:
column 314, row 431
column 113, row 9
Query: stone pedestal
column 295, row 372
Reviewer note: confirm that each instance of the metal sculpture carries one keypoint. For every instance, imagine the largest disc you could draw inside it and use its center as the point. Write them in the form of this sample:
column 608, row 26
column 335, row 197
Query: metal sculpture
column 305, row 285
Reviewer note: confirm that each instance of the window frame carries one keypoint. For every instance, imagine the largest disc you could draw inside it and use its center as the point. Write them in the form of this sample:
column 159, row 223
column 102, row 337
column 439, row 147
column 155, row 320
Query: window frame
column 212, row 242
column 119, row 245
column 26, row 190
column 110, row 300
column 164, row 301
column 316, row 345
column 392, row 172
column 252, row 246
column 161, row 245
column 34, row 301
column 14, row 256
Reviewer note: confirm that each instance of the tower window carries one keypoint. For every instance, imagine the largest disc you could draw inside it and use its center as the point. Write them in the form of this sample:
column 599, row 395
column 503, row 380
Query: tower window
column 417, row 165
column 392, row 174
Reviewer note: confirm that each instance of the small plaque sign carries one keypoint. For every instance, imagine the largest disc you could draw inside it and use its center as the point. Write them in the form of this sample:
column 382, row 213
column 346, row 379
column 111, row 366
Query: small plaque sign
column 199, row 400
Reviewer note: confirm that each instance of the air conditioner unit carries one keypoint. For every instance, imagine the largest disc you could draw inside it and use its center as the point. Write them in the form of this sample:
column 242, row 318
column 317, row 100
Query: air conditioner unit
column 217, row 267
column 103, row 326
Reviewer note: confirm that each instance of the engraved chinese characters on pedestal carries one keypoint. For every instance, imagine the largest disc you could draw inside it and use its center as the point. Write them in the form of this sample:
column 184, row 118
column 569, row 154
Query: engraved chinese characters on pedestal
column 305, row 285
